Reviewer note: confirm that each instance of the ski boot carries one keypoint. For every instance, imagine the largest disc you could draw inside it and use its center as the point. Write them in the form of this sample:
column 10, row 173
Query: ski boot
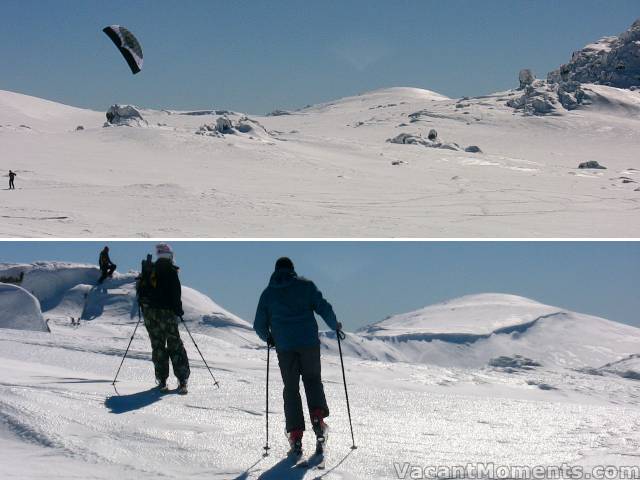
column 295, row 442
column 321, row 429
column 162, row 385
column 182, row 387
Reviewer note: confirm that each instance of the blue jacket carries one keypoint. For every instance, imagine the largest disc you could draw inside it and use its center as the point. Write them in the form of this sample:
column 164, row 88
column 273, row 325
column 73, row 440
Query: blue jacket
column 286, row 310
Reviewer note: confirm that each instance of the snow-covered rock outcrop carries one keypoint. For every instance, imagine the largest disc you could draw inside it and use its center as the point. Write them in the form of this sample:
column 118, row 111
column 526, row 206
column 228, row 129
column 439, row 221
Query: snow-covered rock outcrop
column 125, row 115
column 540, row 97
column 224, row 125
column 20, row 310
column 612, row 61
column 432, row 141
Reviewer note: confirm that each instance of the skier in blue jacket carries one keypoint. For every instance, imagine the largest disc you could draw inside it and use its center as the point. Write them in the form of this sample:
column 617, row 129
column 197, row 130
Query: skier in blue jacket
column 285, row 319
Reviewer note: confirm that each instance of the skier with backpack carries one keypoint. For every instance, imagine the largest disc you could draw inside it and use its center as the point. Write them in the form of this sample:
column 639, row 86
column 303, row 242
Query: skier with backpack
column 160, row 298
column 107, row 267
column 12, row 176
column 285, row 320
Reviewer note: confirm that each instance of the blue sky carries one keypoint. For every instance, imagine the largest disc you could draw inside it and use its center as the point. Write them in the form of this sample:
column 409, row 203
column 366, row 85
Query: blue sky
column 366, row 281
column 255, row 56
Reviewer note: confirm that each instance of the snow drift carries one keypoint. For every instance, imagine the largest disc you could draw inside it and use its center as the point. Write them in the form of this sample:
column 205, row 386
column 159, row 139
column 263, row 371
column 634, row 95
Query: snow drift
column 69, row 290
column 20, row 310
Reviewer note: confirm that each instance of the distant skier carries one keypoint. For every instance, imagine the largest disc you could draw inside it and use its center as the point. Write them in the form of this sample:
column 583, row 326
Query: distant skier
column 107, row 267
column 12, row 176
column 161, row 303
column 285, row 319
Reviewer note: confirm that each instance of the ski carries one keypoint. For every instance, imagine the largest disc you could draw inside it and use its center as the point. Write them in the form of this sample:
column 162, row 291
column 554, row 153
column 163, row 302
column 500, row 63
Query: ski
column 314, row 461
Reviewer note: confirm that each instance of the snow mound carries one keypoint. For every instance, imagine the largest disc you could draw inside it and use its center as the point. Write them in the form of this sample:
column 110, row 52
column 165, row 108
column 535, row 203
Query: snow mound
column 462, row 318
column 49, row 281
column 475, row 330
column 382, row 98
column 19, row 310
column 17, row 109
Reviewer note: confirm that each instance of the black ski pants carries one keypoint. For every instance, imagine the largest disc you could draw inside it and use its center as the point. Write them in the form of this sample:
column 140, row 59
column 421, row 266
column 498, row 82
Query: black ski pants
column 107, row 272
column 293, row 364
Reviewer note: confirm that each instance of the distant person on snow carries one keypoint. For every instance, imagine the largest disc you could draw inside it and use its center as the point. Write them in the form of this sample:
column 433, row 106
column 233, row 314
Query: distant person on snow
column 285, row 320
column 12, row 176
column 160, row 296
column 107, row 267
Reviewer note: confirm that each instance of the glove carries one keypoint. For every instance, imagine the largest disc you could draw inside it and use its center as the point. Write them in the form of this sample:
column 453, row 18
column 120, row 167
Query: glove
column 339, row 331
column 270, row 341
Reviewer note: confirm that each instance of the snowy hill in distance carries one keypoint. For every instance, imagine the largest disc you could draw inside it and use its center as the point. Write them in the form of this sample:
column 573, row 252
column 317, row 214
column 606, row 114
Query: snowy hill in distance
column 475, row 330
column 515, row 373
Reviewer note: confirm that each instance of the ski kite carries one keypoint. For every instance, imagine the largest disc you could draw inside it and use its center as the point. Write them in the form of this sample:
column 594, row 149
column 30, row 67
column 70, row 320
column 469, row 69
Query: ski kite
column 127, row 44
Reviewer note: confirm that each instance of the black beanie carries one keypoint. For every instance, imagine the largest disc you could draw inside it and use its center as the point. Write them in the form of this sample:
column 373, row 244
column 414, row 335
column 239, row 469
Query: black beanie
column 284, row 263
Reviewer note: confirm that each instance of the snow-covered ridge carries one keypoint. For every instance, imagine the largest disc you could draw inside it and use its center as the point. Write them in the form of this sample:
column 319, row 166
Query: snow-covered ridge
column 68, row 291
column 471, row 316
column 473, row 330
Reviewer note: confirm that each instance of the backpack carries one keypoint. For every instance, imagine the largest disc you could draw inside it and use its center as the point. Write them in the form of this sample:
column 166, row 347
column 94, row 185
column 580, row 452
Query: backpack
column 146, row 282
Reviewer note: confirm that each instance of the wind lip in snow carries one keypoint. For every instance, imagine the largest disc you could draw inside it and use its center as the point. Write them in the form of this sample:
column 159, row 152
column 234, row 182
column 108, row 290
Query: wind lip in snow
column 463, row 319
column 458, row 338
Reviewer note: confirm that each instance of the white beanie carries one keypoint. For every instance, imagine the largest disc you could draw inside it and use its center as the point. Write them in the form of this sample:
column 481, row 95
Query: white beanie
column 163, row 250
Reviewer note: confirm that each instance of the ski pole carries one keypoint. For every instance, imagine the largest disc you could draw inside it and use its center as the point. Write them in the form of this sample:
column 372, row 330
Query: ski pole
column 127, row 350
column 215, row 382
column 341, row 336
column 266, row 446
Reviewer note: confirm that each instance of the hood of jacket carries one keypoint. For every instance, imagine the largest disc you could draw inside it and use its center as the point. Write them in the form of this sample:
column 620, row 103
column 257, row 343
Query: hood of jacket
column 282, row 278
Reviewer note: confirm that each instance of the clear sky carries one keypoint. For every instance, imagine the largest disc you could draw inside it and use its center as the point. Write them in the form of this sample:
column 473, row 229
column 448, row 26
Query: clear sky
column 367, row 281
column 255, row 56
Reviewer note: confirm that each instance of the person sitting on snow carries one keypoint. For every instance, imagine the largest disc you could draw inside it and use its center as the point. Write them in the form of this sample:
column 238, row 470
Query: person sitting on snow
column 107, row 267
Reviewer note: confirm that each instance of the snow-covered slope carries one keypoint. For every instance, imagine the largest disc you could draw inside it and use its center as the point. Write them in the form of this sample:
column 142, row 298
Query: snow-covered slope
column 20, row 310
column 472, row 331
column 59, row 413
column 326, row 170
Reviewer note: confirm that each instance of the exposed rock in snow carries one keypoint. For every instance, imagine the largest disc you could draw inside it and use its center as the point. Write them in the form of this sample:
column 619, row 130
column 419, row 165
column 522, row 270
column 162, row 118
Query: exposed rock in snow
column 541, row 98
column 79, row 128
column 432, row 142
column 417, row 139
column 20, row 310
column 591, row 164
column 514, row 363
column 226, row 126
column 613, row 61
column 278, row 113
column 125, row 115
column 526, row 78
column 537, row 99
column 473, row 149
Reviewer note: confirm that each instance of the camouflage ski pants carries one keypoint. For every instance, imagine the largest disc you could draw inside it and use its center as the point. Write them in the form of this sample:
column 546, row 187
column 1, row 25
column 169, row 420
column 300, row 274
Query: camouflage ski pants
column 166, row 344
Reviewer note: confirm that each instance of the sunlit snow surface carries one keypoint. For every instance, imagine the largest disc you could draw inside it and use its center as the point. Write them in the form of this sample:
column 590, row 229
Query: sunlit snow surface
column 60, row 417
column 326, row 170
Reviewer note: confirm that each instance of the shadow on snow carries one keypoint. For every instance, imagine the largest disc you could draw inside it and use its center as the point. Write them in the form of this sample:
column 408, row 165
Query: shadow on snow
column 134, row 401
